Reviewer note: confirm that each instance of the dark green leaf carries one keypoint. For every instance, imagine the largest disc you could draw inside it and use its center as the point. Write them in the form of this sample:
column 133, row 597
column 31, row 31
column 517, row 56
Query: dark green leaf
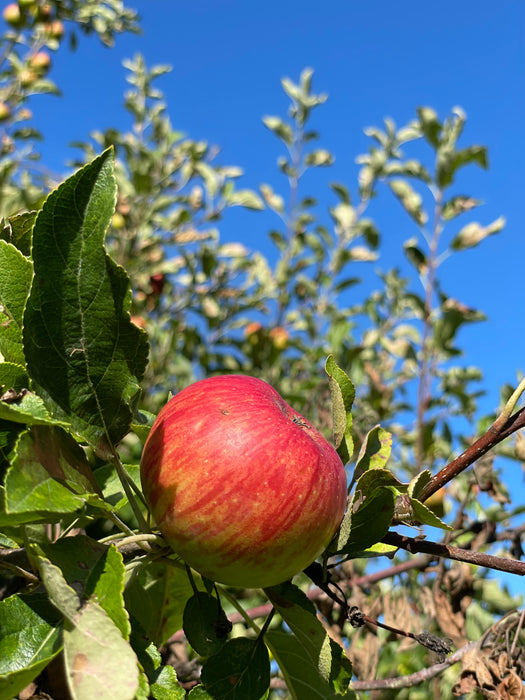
column 156, row 597
column 205, row 625
column 240, row 671
column 83, row 353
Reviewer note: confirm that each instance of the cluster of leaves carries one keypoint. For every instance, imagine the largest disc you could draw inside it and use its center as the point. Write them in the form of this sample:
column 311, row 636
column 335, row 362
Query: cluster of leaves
column 90, row 596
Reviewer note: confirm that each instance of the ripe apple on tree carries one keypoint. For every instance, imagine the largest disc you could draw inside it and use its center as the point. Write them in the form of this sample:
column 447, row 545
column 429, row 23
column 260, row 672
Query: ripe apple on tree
column 241, row 486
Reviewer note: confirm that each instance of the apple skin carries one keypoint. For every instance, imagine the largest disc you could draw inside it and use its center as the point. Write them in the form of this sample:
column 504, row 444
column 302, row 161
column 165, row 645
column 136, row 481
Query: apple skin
column 241, row 486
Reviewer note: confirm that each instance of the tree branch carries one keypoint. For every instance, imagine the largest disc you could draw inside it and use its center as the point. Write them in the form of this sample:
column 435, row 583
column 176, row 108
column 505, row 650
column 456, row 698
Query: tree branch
column 414, row 678
column 497, row 432
column 414, row 546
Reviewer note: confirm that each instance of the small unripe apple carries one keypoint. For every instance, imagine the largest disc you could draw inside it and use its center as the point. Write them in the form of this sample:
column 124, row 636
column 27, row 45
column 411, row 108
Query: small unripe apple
column 55, row 29
column 5, row 111
column 40, row 63
column 27, row 77
column 279, row 337
column 241, row 486
column 13, row 15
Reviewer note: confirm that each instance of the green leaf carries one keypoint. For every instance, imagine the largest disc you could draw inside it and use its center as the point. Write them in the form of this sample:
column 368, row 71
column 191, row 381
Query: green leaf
column 449, row 161
column 99, row 662
column 12, row 376
column 473, row 233
column 369, row 515
column 422, row 514
column 458, row 205
column 161, row 680
column 429, row 125
column 97, row 570
column 279, row 128
column 29, row 639
column 83, row 353
column 316, row 649
column 410, row 200
column 49, row 474
column 240, row 671
column 245, row 198
column 199, row 693
column 375, row 451
column 418, row 483
column 302, row 679
column 28, row 409
column 343, row 394
column 205, row 625
column 156, row 597
column 415, row 255
column 18, row 231
column 16, row 273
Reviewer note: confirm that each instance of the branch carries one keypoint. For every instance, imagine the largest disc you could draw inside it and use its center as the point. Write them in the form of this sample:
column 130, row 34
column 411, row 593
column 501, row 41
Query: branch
column 498, row 431
column 414, row 678
column 414, row 545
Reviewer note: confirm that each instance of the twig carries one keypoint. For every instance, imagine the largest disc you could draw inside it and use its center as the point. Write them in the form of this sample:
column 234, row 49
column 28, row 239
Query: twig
column 414, row 678
column 489, row 561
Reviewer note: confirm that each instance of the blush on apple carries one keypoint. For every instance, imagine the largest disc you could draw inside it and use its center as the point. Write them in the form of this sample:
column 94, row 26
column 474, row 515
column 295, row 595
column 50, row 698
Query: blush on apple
column 241, row 486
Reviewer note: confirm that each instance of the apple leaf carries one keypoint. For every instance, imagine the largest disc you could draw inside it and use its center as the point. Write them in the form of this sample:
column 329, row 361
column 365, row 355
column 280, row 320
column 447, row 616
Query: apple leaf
column 97, row 570
column 240, row 671
column 199, row 693
column 370, row 513
column 343, row 394
column 83, row 353
column 30, row 639
column 49, row 474
column 99, row 662
column 16, row 273
column 302, row 679
column 161, row 681
column 18, row 231
column 156, row 597
column 12, row 376
column 333, row 670
column 205, row 625
column 29, row 409
column 374, row 452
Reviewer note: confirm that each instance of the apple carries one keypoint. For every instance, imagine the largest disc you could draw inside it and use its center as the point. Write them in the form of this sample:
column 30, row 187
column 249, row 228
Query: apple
column 241, row 486
column 12, row 15
column 40, row 63
column 5, row 111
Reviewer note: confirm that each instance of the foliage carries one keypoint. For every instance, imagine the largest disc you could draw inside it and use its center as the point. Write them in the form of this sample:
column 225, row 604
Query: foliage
column 116, row 289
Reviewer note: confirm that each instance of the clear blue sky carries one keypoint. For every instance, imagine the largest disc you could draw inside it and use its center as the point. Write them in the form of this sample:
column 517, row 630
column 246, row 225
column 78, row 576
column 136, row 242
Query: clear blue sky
column 373, row 58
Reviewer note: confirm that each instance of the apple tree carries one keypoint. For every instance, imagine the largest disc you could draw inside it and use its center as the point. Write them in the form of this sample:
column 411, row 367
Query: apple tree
column 116, row 291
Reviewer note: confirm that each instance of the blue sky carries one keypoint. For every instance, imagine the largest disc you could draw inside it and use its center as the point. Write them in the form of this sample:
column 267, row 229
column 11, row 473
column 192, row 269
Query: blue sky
column 374, row 59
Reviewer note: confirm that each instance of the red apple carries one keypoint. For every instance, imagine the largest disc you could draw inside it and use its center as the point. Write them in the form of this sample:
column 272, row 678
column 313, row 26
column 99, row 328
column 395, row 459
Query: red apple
column 241, row 486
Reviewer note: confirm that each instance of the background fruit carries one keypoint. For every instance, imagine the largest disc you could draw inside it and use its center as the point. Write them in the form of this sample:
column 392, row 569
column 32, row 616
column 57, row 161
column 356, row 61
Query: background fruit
column 241, row 485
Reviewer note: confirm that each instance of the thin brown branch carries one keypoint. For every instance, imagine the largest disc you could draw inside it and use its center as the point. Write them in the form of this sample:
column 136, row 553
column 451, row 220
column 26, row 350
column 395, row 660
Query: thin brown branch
column 495, row 434
column 489, row 561
column 425, row 674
